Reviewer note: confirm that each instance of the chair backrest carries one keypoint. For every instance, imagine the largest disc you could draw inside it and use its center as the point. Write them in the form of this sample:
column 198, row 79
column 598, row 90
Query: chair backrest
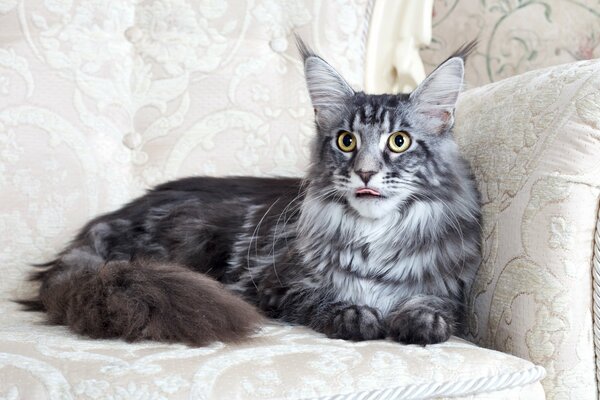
column 100, row 101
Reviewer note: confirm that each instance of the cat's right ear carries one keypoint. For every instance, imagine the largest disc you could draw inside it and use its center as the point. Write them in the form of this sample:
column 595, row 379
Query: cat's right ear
column 328, row 91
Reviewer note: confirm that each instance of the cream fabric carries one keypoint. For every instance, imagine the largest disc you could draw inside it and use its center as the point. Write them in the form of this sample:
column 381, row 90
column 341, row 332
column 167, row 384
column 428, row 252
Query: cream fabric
column 534, row 143
column 514, row 36
column 39, row 362
column 101, row 99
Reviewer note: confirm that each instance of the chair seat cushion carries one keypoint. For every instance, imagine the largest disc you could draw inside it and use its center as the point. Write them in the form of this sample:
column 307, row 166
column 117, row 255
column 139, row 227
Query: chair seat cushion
column 48, row 362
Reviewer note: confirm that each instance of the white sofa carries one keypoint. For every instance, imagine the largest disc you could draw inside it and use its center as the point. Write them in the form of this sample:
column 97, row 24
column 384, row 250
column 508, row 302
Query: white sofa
column 100, row 100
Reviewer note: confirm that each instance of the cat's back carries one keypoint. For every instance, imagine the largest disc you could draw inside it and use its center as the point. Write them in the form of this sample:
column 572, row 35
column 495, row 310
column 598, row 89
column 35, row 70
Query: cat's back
column 228, row 187
column 178, row 219
column 209, row 197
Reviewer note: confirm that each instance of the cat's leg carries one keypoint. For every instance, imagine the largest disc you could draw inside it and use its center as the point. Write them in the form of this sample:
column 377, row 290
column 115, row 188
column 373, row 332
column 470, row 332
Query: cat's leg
column 423, row 319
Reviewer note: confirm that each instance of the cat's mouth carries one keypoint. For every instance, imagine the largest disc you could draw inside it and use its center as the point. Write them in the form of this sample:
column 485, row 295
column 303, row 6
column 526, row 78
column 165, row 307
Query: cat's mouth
column 367, row 193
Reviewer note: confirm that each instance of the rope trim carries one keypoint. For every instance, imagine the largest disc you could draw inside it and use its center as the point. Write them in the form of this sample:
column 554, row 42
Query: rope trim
column 596, row 297
column 450, row 388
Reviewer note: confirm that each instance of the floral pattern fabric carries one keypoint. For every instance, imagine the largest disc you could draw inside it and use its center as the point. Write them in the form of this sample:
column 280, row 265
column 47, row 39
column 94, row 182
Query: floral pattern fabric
column 281, row 362
column 533, row 141
column 100, row 100
column 514, row 36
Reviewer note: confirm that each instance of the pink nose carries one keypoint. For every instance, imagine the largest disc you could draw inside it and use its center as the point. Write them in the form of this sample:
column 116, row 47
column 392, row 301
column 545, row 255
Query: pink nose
column 365, row 175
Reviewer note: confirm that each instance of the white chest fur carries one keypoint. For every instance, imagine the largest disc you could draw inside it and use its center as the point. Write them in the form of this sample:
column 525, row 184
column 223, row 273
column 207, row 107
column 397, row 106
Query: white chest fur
column 353, row 253
column 363, row 291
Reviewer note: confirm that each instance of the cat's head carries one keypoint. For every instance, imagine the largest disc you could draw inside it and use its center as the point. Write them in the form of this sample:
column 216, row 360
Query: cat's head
column 378, row 152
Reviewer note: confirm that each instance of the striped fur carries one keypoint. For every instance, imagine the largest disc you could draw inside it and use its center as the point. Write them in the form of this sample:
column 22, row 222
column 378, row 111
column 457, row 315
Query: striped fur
column 176, row 263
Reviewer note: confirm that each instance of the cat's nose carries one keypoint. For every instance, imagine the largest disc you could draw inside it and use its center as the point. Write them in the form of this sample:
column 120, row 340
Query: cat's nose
column 365, row 175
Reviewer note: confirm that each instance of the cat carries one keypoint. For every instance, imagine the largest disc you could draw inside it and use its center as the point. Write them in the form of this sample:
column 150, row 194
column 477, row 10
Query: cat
column 381, row 239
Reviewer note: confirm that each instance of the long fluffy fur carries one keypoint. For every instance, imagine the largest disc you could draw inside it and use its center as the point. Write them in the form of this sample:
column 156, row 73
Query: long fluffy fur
column 184, row 262
column 141, row 300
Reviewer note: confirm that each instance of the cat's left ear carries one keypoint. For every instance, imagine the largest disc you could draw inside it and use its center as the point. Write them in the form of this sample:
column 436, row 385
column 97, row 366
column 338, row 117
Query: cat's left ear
column 435, row 98
column 328, row 91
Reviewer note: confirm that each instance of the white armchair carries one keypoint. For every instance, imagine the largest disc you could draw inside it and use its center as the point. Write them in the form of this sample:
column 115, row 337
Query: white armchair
column 100, row 100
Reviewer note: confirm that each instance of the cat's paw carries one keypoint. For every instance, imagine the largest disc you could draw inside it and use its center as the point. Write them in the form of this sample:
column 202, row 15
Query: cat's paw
column 352, row 322
column 422, row 319
column 420, row 325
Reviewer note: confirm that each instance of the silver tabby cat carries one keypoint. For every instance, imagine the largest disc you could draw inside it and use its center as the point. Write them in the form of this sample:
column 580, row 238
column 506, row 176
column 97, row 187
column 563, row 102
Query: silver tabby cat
column 381, row 239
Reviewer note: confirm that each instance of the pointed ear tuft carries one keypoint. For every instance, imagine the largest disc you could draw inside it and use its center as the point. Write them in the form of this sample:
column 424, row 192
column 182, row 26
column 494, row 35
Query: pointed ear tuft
column 465, row 50
column 435, row 98
column 303, row 49
column 327, row 89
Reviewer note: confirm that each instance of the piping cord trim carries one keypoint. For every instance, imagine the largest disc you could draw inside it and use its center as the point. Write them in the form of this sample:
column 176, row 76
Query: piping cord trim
column 450, row 388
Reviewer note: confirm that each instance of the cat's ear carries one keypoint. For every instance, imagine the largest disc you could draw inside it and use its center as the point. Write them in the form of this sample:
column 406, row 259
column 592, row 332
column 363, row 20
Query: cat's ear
column 327, row 89
column 435, row 98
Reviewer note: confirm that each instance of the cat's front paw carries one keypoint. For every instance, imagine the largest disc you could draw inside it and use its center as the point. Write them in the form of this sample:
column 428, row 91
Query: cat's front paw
column 420, row 325
column 352, row 322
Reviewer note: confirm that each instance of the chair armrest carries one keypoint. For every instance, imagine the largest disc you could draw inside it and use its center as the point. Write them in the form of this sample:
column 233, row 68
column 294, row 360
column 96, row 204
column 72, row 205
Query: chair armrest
column 533, row 141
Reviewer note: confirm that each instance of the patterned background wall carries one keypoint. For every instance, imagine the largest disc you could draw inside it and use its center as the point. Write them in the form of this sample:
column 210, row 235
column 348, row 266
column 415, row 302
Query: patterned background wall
column 515, row 36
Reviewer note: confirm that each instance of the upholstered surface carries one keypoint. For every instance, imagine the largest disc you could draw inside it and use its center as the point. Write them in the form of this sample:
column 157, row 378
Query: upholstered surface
column 38, row 362
column 534, row 143
column 514, row 36
column 101, row 99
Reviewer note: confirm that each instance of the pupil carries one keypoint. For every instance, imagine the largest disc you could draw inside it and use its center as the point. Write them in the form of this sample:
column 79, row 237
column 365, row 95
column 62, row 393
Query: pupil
column 399, row 140
column 347, row 140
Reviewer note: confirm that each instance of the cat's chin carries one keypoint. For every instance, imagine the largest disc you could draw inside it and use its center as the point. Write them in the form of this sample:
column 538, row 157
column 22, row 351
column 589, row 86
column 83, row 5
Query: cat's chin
column 372, row 207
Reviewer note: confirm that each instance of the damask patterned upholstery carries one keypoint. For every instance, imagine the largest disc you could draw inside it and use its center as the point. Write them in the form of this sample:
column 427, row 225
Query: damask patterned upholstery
column 102, row 99
column 39, row 362
column 534, row 143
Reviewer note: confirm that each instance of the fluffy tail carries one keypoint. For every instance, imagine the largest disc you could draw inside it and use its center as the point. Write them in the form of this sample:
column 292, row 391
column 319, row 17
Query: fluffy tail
column 140, row 300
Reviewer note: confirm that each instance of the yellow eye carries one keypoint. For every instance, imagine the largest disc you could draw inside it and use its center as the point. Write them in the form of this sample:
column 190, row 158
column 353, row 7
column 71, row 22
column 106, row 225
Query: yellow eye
column 399, row 141
column 346, row 141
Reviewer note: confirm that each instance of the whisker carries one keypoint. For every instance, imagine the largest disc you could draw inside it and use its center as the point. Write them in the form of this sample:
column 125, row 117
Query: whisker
column 254, row 238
